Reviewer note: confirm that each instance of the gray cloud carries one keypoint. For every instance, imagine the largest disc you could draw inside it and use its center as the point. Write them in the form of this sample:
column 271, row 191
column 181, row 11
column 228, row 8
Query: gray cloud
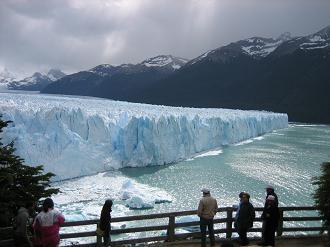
column 79, row 34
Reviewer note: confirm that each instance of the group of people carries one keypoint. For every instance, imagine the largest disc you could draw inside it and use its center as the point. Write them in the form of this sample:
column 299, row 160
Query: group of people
column 45, row 225
column 245, row 215
column 42, row 230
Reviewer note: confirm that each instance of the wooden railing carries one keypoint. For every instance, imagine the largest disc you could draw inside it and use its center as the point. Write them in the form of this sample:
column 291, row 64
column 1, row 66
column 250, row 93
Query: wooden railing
column 225, row 228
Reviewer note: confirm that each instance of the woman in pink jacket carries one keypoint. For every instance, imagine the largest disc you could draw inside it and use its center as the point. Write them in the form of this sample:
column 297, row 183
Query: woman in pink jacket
column 47, row 223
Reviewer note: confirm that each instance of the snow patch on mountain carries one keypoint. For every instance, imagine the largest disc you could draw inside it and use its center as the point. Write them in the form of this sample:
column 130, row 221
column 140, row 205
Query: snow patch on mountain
column 319, row 40
column 259, row 47
column 164, row 60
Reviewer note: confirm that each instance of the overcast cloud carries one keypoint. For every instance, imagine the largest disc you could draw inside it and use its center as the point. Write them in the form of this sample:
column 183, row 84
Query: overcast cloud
column 74, row 35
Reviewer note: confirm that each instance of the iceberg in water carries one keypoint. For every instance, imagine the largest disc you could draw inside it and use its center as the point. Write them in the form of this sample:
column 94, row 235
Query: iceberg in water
column 142, row 196
column 76, row 136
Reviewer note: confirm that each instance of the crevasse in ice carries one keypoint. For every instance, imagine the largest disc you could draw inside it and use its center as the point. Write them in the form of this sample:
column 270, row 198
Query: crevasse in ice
column 76, row 136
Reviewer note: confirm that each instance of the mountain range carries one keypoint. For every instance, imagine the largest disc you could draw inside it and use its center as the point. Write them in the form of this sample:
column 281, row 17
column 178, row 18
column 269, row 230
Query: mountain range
column 290, row 75
column 36, row 82
column 286, row 74
column 121, row 82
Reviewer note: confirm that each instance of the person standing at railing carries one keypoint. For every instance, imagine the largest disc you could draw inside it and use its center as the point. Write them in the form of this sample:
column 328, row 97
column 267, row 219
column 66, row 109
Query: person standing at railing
column 207, row 209
column 270, row 217
column 105, row 221
column 244, row 218
column 22, row 224
column 270, row 191
column 47, row 223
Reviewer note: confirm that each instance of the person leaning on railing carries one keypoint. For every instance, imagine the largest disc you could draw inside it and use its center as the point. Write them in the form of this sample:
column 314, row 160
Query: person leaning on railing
column 47, row 223
column 270, row 217
column 207, row 209
column 105, row 222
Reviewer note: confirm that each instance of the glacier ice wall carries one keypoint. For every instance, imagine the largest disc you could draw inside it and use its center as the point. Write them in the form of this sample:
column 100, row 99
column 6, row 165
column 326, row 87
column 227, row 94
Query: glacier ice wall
column 75, row 136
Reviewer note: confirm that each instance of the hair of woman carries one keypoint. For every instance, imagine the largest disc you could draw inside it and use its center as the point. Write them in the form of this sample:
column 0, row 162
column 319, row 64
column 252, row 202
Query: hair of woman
column 48, row 203
column 107, row 206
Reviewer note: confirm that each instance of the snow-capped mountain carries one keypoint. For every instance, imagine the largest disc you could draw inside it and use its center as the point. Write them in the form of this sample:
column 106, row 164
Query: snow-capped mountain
column 256, row 47
column 284, row 74
column 117, row 82
column 317, row 41
column 55, row 74
column 6, row 77
column 164, row 63
column 37, row 81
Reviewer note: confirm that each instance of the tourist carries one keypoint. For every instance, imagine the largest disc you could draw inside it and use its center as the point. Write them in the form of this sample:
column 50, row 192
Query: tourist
column 270, row 216
column 269, row 192
column 22, row 224
column 207, row 209
column 105, row 221
column 244, row 218
column 47, row 224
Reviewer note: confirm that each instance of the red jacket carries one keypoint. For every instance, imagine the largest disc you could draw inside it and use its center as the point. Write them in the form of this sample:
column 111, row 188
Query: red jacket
column 48, row 225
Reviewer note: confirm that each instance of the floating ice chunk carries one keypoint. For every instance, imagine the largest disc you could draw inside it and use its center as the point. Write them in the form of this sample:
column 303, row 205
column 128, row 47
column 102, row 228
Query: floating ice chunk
column 142, row 196
column 140, row 202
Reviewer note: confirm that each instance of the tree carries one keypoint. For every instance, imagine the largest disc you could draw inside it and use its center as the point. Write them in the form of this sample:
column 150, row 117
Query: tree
column 322, row 194
column 19, row 183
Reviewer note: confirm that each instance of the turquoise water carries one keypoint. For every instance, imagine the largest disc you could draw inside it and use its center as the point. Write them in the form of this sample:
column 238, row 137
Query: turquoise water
column 288, row 159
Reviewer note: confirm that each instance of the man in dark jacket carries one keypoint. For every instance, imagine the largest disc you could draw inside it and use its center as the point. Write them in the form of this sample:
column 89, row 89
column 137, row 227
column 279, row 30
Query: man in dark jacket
column 270, row 216
column 270, row 192
column 244, row 218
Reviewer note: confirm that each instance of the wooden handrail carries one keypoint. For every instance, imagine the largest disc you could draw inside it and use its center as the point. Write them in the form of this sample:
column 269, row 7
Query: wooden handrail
column 172, row 225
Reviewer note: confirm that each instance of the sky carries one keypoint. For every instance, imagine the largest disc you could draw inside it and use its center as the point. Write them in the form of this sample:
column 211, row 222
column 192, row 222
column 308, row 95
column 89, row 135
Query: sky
column 74, row 35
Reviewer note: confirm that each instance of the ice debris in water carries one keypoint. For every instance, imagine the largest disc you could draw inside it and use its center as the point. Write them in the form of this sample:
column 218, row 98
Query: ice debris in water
column 142, row 196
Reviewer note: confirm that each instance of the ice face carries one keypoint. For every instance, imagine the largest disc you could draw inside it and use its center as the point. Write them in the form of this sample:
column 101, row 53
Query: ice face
column 76, row 136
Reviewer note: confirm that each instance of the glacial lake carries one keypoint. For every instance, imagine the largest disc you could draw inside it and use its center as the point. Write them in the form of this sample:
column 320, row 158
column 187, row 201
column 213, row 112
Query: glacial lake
column 288, row 159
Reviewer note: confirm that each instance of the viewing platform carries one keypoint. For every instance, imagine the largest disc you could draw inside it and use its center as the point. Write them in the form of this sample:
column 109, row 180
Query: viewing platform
column 168, row 230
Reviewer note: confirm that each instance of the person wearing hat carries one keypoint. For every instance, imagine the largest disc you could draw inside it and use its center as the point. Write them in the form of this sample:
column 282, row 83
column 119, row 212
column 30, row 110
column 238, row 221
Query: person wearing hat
column 269, row 192
column 244, row 218
column 207, row 209
column 270, row 221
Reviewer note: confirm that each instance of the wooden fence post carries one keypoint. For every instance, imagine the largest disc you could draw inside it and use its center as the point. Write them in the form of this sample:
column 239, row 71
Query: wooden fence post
column 280, row 223
column 98, row 240
column 171, row 229
column 229, row 223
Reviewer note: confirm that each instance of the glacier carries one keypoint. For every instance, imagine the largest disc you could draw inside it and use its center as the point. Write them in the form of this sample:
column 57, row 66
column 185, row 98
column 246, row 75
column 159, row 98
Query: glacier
column 77, row 136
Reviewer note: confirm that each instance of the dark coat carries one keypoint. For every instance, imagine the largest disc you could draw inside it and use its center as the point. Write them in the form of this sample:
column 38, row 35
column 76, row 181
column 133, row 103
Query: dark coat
column 266, row 202
column 105, row 220
column 245, row 217
column 271, row 216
